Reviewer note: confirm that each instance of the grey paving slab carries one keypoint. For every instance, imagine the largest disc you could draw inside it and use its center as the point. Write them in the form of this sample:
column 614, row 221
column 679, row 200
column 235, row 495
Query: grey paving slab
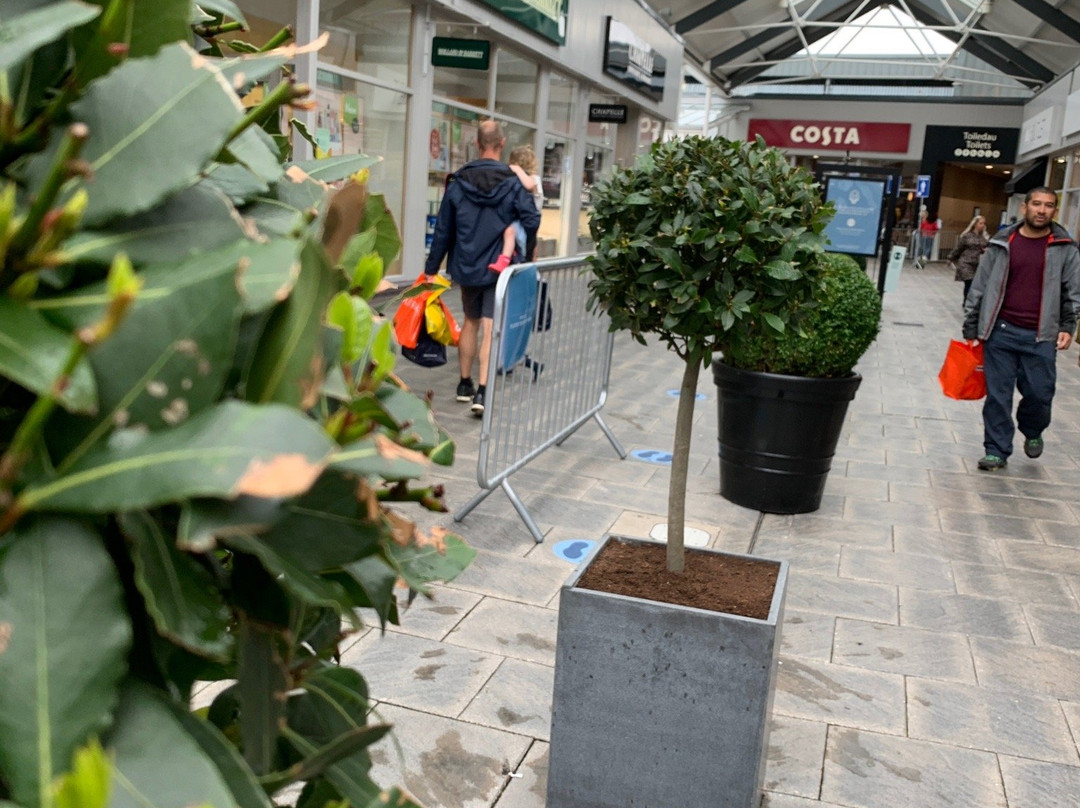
column 434, row 617
column 867, row 770
column 838, row 694
column 1032, row 784
column 1003, row 665
column 844, row 486
column 917, row 460
column 951, row 546
column 835, row 596
column 535, row 581
column 1060, row 560
column 890, row 513
column 591, row 517
column 1025, row 725
column 1024, row 586
column 777, row 800
column 966, row 614
column 517, row 698
column 1059, row 533
column 1072, row 716
column 902, row 569
column 444, row 763
column 902, row 650
column 845, row 530
column 530, row 789
column 420, row 674
column 807, row 635
column 802, row 555
column 990, row 525
column 1055, row 625
column 510, row 629
column 865, row 470
column 796, row 754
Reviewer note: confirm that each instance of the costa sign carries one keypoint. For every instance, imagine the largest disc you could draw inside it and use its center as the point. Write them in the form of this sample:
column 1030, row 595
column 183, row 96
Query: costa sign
column 856, row 136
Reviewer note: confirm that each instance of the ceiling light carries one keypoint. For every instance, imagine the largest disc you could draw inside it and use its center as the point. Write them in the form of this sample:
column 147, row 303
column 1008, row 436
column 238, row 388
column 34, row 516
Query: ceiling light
column 1006, row 171
column 990, row 168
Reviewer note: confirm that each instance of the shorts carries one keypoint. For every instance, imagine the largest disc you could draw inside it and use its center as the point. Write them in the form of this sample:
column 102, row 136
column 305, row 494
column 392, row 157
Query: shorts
column 478, row 301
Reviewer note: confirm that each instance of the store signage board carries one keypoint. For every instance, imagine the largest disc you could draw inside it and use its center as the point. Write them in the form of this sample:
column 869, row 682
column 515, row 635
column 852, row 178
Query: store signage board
column 469, row 54
column 855, row 227
column 545, row 17
column 608, row 113
column 632, row 60
column 970, row 144
column 844, row 136
column 922, row 186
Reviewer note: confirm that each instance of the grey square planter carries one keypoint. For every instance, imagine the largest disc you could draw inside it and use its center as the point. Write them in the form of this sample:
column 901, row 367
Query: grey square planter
column 660, row 706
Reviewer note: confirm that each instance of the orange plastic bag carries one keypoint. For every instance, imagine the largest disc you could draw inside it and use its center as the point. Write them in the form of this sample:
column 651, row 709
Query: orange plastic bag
column 409, row 318
column 962, row 374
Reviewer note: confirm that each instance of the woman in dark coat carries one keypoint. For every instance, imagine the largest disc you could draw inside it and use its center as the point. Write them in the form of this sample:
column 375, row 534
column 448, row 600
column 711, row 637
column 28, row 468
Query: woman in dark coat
column 968, row 250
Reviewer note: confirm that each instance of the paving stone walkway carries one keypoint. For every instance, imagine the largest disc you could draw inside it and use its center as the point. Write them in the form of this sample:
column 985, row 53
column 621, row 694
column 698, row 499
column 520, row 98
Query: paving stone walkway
column 931, row 646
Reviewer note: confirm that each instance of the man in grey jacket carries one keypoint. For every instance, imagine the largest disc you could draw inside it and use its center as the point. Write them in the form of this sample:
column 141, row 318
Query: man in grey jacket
column 1023, row 306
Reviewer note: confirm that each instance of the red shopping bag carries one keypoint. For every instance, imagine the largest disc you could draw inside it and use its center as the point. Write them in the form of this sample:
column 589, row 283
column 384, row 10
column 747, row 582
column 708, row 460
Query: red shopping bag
column 409, row 319
column 961, row 374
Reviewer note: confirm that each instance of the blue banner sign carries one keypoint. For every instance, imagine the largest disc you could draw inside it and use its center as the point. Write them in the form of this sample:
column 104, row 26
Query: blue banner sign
column 855, row 227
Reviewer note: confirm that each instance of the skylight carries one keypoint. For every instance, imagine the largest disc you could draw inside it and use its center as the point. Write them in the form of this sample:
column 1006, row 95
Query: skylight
column 886, row 31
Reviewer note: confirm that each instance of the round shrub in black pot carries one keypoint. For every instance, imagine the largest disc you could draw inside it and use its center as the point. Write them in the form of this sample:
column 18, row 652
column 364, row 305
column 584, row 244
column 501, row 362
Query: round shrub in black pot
column 784, row 396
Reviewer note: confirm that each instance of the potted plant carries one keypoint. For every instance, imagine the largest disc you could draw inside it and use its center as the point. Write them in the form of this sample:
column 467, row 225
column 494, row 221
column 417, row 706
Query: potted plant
column 715, row 246
column 201, row 435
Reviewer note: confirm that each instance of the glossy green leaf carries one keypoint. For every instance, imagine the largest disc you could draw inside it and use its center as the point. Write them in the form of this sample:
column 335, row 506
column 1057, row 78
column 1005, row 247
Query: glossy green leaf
column 377, row 456
column 377, row 217
column 153, row 24
column 157, row 763
column 354, row 318
column 239, row 778
column 261, row 687
column 242, row 71
column 231, row 449
column 412, row 416
column 375, row 580
column 418, row 565
column 197, row 219
column 288, row 365
column 33, row 353
column 179, row 593
column 87, row 784
column 202, row 521
column 169, row 358
column 332, row 169
column 226, row 7
column 256, row 150
column 64, row 641
column 366, row 274
column 269, row 272
column 326, row 527
column 288, row 205
column 304, row 586
column 237, row 182
column 23, row 34
column 131, row 129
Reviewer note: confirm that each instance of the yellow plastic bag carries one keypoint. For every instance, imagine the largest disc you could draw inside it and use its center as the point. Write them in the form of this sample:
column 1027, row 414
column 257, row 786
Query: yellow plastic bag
column 440, row 323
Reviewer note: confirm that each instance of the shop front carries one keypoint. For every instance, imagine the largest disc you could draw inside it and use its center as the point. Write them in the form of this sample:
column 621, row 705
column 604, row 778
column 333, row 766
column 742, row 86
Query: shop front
column 410, row 83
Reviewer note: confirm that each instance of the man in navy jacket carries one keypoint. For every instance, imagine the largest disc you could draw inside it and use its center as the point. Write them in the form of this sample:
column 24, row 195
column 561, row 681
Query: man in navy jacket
column 482, row 198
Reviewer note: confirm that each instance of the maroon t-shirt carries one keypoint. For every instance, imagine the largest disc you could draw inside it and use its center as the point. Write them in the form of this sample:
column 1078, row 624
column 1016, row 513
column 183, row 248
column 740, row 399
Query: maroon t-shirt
column 1023, row 289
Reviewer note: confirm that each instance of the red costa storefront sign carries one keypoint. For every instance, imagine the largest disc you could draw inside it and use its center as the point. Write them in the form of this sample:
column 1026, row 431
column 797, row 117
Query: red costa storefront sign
column 856, row 136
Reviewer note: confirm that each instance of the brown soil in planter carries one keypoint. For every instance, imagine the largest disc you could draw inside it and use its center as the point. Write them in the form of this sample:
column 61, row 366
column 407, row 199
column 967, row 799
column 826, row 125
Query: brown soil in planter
column 710, row 581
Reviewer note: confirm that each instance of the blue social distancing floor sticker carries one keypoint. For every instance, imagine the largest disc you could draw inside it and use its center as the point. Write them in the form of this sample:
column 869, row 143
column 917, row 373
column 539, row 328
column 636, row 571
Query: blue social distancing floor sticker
column 652, row 456
column 573, row 550
column 674, row 393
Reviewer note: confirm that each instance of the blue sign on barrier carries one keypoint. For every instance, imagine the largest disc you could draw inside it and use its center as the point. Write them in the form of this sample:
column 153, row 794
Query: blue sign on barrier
column 652, row 456
column 573, row 550
column 519, row 316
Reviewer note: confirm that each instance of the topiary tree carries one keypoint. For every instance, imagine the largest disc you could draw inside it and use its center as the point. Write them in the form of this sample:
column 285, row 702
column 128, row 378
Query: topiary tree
column 713, row 245
column 201, row 434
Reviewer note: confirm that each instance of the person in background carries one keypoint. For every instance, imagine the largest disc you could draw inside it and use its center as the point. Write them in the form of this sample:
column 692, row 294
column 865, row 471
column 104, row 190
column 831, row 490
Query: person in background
column 928, row 228
column 482, row 198
column 1023, row 305
column 523, row 163
column 968, row 250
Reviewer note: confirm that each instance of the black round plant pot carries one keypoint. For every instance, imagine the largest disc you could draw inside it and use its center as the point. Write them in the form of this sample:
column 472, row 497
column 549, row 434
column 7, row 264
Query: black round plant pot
column 777, row 436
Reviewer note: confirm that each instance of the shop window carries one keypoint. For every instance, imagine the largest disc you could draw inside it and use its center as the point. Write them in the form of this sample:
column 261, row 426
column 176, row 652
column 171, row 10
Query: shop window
column 562, row 95
column 356, row 118
column 461, row 84
column 1056, row 180
column 265, row 19
column 515, row 87
column 370, row 38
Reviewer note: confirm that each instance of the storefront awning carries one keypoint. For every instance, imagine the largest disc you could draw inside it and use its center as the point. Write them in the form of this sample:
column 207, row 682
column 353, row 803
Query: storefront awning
column 1030, row 176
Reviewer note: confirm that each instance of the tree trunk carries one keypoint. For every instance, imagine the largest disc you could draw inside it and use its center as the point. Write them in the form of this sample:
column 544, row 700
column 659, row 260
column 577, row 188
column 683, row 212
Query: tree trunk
column 680, row 461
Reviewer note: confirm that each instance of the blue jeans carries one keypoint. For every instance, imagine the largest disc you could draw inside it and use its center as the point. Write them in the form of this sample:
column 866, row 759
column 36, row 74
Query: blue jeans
column 1013, row 359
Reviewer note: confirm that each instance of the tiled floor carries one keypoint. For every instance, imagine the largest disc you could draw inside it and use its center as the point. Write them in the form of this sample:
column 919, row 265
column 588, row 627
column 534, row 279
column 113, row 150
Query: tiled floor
column 931, row 648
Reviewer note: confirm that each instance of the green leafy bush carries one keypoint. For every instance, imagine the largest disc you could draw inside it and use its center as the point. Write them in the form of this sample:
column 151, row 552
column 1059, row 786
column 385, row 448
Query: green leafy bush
column 833, row 333
column 708, row 243
column 201, row 436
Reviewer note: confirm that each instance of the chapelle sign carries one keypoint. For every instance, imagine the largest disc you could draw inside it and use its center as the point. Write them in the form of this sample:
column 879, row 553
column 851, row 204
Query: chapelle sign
column 856, row 136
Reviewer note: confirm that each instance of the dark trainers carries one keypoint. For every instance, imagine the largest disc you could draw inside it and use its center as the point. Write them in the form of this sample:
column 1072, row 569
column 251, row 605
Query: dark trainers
column 992, row 463
column 1033, row 447
column 465, row 390
column 478, row 403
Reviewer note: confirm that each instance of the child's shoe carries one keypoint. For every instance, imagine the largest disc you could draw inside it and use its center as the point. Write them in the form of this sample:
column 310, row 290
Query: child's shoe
column 500, row 264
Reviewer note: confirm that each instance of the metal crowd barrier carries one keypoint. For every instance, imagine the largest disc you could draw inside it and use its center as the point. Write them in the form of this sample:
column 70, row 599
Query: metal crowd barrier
column 557, row 358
